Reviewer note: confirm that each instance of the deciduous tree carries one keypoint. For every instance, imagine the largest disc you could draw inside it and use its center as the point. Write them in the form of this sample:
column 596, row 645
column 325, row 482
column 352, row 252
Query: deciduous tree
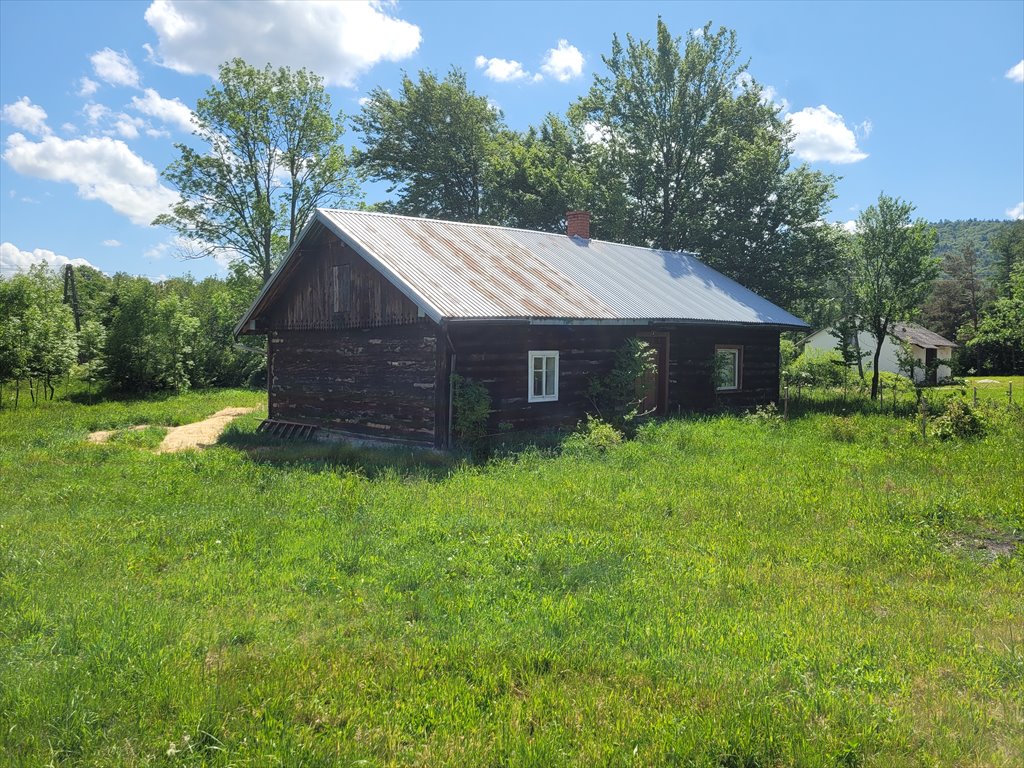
column 892, row 269
column 432, row 144
column 271, row 156
column 704, row 162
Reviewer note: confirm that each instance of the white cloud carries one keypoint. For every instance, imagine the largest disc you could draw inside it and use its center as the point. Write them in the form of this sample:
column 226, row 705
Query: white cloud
column 87, row 87
column 864, row 128
column 1016, row 72
column 1017, row 212
column 821, row 135
column 26, row 116
column 115, row 123
column 769, row 94
column 501, row 70
column 171, row 111
column 100, row 167
column 182, row 248
column 127, row 126
column 112, row 243
column 69, row 128
column 337, row 40
column 564, row 62
column 114, row 68
column 14, row 260
column 596, row 134
column 94, row 112
column 849, row 226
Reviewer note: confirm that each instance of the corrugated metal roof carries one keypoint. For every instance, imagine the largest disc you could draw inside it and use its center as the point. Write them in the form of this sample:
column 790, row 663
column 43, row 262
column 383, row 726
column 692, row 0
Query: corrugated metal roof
column 921, row 336
column 461, row 271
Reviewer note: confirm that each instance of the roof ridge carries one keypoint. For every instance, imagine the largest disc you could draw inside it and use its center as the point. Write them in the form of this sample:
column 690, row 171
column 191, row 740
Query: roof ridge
column 449, row 222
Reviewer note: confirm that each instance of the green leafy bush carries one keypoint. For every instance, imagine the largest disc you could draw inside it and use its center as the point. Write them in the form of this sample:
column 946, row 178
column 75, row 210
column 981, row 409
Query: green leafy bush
column 895, row 381
column 618, row 396
column 958, row 420
column 766, row 415
column 593, row 437
column 787, row 352
column 817, row 368
column 471, row 406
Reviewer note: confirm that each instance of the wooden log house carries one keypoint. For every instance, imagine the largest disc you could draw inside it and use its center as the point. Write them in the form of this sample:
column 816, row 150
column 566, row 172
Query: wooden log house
column 370, row 314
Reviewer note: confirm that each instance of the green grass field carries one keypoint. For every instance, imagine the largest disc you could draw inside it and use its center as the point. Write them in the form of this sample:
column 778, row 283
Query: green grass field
column 991, row 388
column 719, row 592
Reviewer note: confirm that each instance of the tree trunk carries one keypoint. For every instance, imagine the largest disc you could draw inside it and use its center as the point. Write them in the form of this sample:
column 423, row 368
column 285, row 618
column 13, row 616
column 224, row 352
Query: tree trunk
column 860, row 356
column 874, row 375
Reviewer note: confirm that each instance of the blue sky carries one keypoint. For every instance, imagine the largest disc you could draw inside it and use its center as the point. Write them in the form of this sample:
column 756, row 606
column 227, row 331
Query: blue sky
column 920, row 100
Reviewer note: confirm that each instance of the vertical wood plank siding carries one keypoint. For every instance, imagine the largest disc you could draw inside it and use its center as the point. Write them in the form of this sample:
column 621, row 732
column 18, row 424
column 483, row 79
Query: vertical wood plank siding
column 373, row 382
column 312, row 293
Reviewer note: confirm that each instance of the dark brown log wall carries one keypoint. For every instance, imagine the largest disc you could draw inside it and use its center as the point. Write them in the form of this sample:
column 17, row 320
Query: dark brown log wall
column 374, row 382
column 497, row 356
column 332, row 287
column 693, row 348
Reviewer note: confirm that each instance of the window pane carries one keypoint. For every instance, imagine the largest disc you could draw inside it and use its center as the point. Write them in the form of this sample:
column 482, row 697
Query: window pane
column 727, row 362
column 538, row 383
column 538, row 363
column 549, row 381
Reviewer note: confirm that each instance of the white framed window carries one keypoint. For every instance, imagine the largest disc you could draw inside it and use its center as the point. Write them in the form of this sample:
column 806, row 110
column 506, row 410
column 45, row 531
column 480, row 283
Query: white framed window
column 543, row 376
column 728, row 367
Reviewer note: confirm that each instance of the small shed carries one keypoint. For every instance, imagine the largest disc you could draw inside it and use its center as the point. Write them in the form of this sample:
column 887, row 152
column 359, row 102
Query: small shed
column 928, row 347
column 370, row 315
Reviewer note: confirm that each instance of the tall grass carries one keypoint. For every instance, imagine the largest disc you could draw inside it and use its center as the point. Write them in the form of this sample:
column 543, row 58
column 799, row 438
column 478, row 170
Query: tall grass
column 718, row 592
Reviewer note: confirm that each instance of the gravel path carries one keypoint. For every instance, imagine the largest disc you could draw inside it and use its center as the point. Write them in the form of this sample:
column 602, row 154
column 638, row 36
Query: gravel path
column 199, row 434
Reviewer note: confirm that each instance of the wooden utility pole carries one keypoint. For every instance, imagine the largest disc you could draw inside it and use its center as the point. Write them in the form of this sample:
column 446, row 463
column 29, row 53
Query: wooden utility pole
column 71, row 295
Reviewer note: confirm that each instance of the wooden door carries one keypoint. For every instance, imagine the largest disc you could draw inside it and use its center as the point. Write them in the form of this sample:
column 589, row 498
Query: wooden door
column 654, row 385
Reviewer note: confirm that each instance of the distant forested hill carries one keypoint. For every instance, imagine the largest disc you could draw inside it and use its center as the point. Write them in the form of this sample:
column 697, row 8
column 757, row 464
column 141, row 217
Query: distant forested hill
column 953, row 235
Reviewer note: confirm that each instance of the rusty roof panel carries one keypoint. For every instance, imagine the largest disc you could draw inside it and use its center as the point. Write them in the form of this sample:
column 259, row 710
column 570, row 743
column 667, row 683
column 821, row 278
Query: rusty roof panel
column 471, row 271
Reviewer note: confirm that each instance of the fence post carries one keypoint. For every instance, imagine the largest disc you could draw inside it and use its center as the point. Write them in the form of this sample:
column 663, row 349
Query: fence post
column 785, row 402
column 924, row 420
column 881, row 397
column 1010, row 393
column 975, row 397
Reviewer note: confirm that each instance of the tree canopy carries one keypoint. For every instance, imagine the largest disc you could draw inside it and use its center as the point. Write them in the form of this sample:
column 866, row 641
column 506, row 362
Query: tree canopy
column 702, row 160
column 273, row 155
column 432, row 144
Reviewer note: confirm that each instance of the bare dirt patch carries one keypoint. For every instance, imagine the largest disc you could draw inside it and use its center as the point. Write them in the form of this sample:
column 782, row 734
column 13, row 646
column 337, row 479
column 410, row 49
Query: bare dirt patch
column 104, row 435
column 200, row 434
column 989, row 545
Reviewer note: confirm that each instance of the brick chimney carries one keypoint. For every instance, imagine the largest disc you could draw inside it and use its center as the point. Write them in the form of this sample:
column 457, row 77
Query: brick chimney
column 577, row 224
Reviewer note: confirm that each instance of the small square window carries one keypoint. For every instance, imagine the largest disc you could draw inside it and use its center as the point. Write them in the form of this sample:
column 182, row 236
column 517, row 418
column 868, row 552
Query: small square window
column 728, row 365
column 543, row 376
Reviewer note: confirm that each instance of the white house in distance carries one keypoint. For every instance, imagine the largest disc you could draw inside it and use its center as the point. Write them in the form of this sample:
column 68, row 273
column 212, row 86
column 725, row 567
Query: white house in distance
column 926, row 345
